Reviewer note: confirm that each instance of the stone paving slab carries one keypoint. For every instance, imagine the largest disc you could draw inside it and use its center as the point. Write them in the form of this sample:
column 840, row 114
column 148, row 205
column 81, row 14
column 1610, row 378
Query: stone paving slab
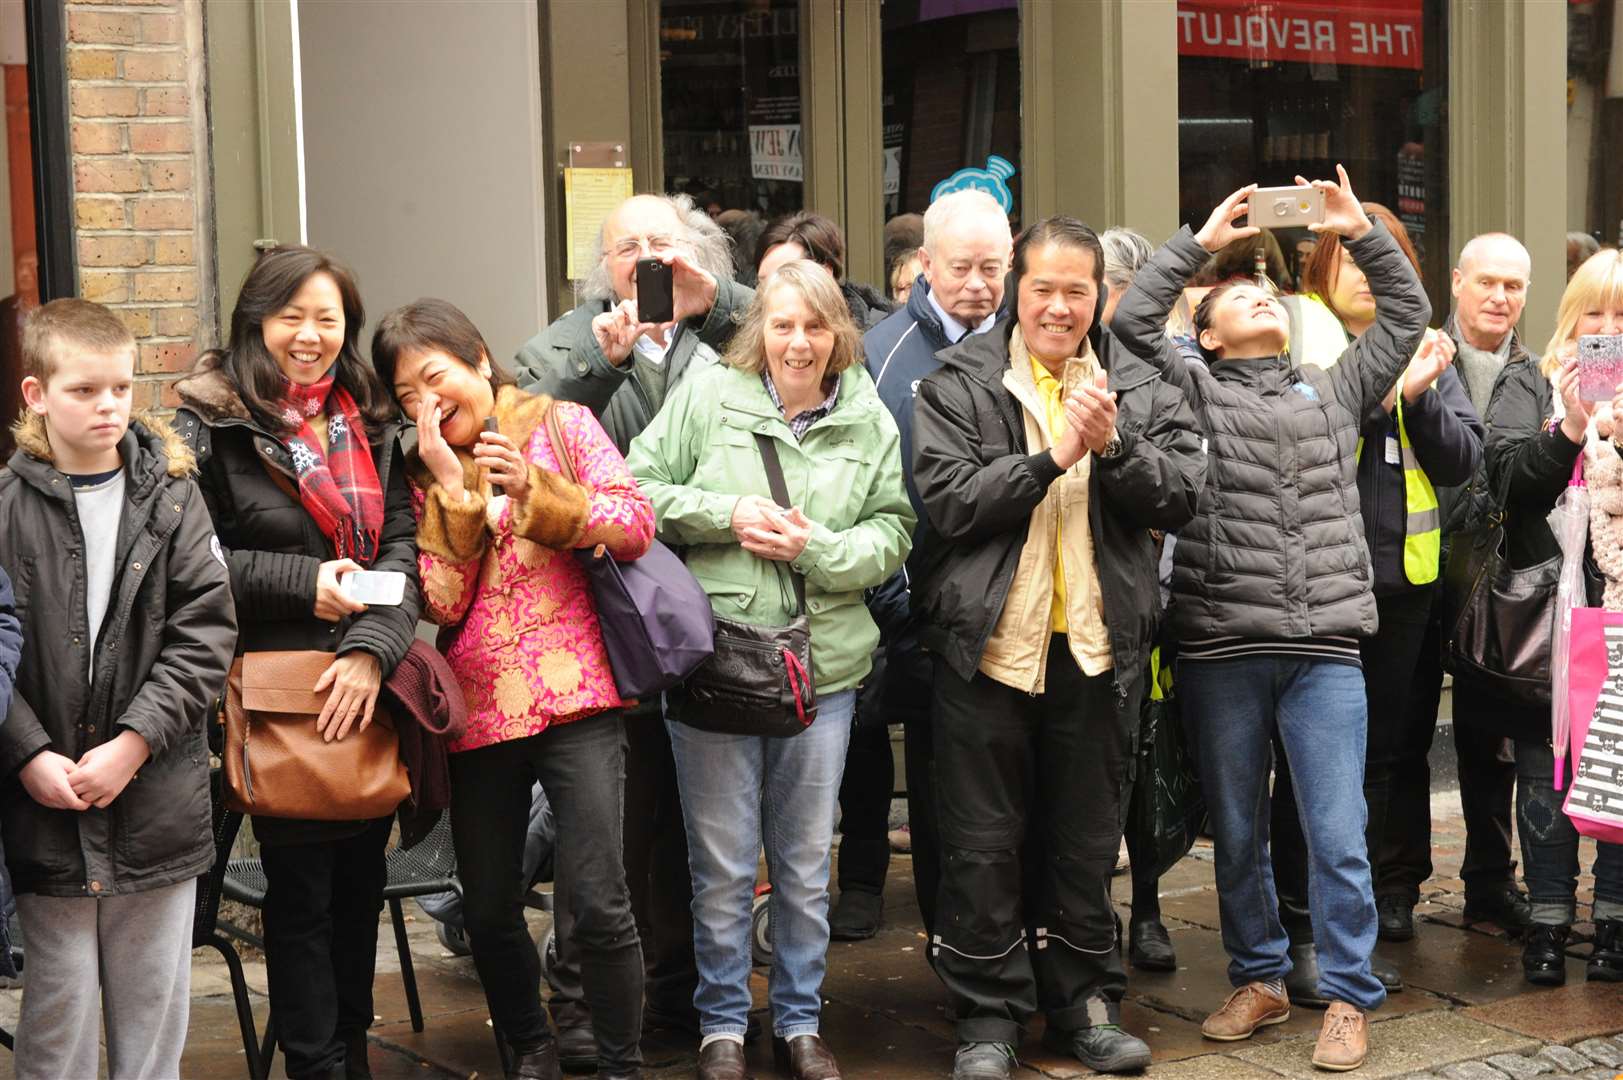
column 1578, row 1010
column 1211, row 1067
column 1399, row 1047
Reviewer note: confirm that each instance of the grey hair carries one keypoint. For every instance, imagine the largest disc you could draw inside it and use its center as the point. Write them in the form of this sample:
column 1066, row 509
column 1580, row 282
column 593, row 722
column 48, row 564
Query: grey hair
column 1587, row 245
column 1477, row 246
column 1125, row 252
column 712, row 249
column 952, row 208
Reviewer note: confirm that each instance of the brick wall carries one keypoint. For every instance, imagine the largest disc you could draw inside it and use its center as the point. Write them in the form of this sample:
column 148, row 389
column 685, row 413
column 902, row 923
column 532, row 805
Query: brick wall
column 140, row 169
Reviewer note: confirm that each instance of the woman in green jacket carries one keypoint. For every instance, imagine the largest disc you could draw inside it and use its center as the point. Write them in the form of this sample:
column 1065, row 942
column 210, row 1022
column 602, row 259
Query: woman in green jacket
column 792, row 374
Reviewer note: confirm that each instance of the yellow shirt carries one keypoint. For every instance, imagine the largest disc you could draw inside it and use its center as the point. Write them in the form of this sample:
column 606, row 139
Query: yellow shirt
column 1053, row 395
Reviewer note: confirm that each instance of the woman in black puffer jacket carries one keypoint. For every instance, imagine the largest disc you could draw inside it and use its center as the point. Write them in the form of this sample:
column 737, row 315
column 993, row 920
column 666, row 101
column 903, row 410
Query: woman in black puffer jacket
column 298, row 447
column 1537, row 427
column 1271, row 590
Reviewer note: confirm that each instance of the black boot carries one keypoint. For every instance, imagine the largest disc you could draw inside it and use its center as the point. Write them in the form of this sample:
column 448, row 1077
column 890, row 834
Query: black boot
column 1396, row 916
column 538, row 1064
column 356, row 1067
column 1606, row 959
column 1506, row 906
column 856, row 916
column 1302, row 983
column 1149, row 947
column 1544, row 956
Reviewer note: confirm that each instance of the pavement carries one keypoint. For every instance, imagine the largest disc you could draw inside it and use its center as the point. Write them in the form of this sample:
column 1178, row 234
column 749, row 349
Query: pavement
column 1466, row 1014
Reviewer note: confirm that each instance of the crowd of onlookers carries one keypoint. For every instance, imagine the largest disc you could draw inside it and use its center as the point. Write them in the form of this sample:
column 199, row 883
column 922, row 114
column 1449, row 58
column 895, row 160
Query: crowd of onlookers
column 1036, row 481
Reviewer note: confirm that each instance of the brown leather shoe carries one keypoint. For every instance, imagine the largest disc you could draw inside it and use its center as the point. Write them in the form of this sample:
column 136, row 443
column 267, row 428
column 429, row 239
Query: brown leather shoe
column 723, row 1060
column 1250, row 1007
column 805, row 1057
column 1343, row 1040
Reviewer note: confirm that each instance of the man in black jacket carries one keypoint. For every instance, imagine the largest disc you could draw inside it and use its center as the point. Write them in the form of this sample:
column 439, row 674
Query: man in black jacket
column 1490, row 286
column 1044, row 457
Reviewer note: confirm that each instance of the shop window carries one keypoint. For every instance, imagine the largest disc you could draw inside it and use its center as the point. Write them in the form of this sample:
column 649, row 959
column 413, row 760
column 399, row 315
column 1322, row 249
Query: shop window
column 951, row 99
column 1268, row 89
column 1594, row 122
column 730, row 104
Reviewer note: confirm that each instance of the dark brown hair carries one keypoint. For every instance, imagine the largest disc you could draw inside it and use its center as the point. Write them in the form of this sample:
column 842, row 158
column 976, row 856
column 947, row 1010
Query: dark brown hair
column 269, row 287
column 819, row 238
column 1321, row 269
column 69, row 324
column 429, row 325
column 1238, row 259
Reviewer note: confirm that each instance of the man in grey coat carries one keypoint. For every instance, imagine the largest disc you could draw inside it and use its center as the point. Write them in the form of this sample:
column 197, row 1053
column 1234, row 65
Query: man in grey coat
column 606, row 358
column 601, row 355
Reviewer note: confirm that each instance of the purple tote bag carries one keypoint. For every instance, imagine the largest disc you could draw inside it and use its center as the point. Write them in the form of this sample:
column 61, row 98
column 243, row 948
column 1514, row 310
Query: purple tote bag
column 656, row 621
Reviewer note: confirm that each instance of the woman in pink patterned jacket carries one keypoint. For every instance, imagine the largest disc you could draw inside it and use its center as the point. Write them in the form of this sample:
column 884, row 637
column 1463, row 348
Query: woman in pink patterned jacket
column 497, row 525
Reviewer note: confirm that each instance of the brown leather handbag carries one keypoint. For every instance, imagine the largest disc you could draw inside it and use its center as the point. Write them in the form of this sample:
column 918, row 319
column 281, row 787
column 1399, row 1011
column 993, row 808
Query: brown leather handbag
column 276, row 763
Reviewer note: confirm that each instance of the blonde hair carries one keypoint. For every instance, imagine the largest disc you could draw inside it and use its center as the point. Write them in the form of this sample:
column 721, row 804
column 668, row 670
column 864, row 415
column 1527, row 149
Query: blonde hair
column 70, row 324
column 821, row 293
column 1598, row 283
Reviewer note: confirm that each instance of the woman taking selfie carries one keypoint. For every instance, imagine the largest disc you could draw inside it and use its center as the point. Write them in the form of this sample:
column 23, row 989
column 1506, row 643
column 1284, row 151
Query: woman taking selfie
column 792, row 375
column 298, row 449
column 498, row 522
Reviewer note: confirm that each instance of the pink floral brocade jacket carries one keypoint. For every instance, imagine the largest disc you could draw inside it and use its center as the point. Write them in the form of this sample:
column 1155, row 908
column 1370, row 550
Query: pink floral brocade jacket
column 501, row 574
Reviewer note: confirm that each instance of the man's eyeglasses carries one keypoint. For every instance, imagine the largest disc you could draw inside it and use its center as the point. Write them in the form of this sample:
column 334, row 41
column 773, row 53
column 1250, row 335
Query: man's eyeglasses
column 633, row 246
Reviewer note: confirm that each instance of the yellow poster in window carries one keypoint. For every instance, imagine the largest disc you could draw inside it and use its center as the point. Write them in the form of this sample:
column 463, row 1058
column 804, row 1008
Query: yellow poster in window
column 590, row 196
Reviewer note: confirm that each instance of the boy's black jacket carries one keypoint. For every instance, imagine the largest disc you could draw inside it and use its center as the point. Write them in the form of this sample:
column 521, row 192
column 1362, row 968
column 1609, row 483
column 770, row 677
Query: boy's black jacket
column 161, row 662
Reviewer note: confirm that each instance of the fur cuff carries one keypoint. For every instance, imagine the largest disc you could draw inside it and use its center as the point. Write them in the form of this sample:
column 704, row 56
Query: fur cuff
column 450, row 530
column 552, row 512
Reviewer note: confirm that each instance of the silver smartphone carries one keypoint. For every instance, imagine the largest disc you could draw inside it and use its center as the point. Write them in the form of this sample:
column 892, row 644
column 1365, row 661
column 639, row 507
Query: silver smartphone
column 383, row 587
column 1285, row 207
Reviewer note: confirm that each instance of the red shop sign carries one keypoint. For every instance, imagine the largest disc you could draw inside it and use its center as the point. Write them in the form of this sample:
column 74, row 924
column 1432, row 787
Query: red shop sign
column 1370, row 33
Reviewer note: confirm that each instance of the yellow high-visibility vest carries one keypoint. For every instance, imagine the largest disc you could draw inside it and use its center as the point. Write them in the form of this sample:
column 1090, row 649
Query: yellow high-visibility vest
column 1422, row 519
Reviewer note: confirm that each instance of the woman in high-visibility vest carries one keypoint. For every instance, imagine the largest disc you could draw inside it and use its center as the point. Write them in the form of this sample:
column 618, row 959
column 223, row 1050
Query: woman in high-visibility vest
column 1425, row 437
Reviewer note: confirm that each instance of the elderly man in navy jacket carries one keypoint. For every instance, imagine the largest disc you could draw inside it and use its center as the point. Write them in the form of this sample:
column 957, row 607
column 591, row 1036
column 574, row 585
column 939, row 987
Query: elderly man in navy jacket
column 965, row 259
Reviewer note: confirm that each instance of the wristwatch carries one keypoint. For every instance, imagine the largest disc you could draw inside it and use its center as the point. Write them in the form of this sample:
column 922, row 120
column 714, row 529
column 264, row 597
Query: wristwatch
column 1112, row 448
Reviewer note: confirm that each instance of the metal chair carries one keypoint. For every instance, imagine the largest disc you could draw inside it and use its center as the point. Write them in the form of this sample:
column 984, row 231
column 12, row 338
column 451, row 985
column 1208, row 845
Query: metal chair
column 427, row 867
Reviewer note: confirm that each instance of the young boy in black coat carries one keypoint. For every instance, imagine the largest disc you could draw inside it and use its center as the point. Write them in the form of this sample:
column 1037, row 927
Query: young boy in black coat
column 128, row 632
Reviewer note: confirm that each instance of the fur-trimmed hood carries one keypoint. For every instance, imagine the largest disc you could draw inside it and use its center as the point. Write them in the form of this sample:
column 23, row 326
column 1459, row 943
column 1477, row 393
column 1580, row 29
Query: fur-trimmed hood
column 211, row 393
column 148, row 432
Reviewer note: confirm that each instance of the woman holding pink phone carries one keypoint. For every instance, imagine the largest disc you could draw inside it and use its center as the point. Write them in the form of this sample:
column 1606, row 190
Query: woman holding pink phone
column 1539, row 422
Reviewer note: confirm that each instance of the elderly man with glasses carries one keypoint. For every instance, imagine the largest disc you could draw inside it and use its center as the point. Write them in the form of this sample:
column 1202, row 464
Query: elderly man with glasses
column 604, row 356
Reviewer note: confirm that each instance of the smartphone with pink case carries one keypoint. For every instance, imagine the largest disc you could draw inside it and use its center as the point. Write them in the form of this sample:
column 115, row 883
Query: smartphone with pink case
column 1600, row 366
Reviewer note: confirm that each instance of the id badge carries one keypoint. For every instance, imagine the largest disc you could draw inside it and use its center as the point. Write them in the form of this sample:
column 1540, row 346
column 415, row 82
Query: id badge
column 1394, row 453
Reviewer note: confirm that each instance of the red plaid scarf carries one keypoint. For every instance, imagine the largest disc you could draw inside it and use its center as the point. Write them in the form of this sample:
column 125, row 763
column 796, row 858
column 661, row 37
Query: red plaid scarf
column 339, row 488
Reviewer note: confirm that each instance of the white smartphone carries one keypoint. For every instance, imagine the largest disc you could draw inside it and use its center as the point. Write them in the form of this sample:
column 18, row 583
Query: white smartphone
column 385, row 587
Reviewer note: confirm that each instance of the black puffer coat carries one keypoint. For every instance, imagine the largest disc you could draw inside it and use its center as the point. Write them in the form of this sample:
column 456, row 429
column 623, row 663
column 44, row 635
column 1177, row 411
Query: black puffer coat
column 980, row 484
column 1528, row 462
column 1277, row 548
column 274, row 546
column 161, row 659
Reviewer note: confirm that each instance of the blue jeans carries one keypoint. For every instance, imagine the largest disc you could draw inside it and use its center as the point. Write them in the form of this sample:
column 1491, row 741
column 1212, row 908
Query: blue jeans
column 1550, row 843
column 737, row 790
column 1233, row 708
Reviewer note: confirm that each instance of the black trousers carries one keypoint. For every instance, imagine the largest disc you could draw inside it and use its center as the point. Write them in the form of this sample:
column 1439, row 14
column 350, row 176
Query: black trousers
column 322, row 902
column 1403, row 686
column 656, row 862
column 1072, row 743
column 908, row 690
column 580, row 766
column 865, row 790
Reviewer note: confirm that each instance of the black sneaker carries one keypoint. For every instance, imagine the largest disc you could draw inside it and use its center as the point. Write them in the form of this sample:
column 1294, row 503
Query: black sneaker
column 1544, row 956
column 1606, row 959
column 983, row 1061
column 1396, row 916
column 856, row 915
column 1103, row 1048
column 1506, row 906
column 1149, row 946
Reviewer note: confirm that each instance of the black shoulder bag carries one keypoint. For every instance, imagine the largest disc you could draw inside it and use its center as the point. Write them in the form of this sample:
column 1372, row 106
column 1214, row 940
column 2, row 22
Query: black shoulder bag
column 759, row 679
